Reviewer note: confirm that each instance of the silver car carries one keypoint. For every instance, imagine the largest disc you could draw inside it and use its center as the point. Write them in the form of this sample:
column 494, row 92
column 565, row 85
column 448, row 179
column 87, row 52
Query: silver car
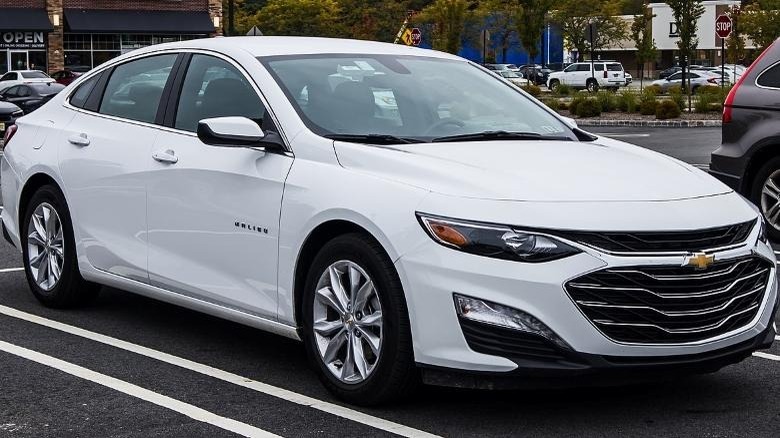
column 698, row 78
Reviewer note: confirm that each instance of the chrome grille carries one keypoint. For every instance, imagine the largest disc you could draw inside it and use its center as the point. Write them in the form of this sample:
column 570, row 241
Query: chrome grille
column 671, row 241
column 668, row 304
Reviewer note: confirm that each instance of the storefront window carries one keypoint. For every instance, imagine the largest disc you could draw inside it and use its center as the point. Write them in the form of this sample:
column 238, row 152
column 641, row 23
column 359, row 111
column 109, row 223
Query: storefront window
column 3, row 61
column 94, row 49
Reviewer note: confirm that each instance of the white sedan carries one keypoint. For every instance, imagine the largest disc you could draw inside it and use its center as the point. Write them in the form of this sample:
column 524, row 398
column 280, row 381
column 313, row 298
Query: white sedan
column 18, row 77
column 403, row 212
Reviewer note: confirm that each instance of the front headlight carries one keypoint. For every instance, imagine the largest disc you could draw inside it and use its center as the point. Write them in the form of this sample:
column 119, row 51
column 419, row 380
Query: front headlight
column 762, row 229
column 497, row 241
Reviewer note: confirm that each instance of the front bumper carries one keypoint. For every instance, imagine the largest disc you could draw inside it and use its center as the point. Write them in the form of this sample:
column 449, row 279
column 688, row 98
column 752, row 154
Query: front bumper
column 432, row 274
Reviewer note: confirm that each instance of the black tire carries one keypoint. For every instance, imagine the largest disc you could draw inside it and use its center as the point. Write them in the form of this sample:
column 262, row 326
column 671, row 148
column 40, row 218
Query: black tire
column 71, row 289
column 554, row 83
column 395, row 374
column 757, row 186
column 592, row 85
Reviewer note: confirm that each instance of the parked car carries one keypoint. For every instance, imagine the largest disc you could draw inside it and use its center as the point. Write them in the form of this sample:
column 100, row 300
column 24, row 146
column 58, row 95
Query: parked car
column 629, row 78
column 65, row 77
column 699, row 78
column 668, row 72
column 535, row 73
column 748, row 159
column 499, row 67
column 472, row 237
column 30, row 97
column 17, row 77
column 8, row 115
column 512, row 77
column 590, row 76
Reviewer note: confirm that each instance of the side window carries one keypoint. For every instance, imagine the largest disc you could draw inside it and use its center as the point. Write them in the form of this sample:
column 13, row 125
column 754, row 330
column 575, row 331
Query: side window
column 675, row 77
column 8, row 77
column 24, row 91
column 135, row 88
column 570, row 68
column 11, row 92
column 80, row 96
column 215, row 88
column 598, row 67
column 583, row 67
column 770, row 77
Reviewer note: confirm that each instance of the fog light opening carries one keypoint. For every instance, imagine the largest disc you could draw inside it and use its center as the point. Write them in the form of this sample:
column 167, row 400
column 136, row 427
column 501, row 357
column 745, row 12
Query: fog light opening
column 486, row 312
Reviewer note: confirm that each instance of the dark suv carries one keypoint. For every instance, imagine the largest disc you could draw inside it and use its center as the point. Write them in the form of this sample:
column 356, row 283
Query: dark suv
column 748, row 159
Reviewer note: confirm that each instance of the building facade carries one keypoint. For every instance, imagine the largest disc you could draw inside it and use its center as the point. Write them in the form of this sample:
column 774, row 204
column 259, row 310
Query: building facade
column 50, row 35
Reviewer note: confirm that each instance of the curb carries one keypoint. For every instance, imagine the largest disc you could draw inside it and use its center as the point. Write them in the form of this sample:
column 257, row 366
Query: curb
column 652, row 123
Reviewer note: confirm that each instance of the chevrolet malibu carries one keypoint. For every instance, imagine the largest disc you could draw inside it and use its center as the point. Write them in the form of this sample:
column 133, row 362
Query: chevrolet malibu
column 406, row 214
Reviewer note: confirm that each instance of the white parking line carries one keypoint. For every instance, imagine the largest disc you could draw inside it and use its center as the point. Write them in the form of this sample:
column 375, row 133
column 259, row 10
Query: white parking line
column 767, row 356
column 6, row 270
column 187, row 409
column 284, row 394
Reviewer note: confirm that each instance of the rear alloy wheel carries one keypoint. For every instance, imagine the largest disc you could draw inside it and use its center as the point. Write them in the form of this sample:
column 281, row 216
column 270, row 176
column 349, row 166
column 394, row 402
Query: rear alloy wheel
column 592, row 85
column 49, row 251
column 766, row 194
column 355, row 323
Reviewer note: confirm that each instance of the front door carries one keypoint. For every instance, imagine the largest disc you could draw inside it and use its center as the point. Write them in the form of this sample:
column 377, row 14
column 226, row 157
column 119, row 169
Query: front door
column 19, row 60
column 213, row 212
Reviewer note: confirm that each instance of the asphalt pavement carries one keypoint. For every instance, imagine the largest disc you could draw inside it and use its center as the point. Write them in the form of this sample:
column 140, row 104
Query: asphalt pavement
column 129, row 366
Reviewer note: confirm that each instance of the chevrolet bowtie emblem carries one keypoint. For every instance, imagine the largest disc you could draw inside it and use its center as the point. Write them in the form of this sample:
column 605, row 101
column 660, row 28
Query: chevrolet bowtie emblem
column 700, row 261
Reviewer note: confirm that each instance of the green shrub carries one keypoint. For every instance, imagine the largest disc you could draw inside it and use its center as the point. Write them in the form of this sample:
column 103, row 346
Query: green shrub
column 712, row 92
column 563, row 90
column 677, row 96
column 532, row 89
column 578, row 99
column 703, row 101
column 607, row 100
column 589, row 108
column 562, row 105
column 627, row 100
column 647, row 107
column 553, row 103
column 667, row 109
column 655, row 89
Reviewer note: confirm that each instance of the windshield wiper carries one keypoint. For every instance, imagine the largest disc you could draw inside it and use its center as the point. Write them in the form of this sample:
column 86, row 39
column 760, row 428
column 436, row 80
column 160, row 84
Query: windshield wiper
column 498, row 135
column 373, row 138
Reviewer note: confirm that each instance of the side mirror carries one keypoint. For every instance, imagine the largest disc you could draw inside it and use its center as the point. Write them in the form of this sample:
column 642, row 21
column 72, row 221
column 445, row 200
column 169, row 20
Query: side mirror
column 236, row 132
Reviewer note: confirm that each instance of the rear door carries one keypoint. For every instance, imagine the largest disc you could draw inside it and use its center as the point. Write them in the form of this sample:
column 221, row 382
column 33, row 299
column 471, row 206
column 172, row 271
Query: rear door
column 104, row 158
column 214, row 211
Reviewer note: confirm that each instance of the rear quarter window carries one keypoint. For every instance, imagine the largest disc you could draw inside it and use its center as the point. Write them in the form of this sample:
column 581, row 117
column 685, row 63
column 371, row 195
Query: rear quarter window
column 770, row 77
column 614, row 67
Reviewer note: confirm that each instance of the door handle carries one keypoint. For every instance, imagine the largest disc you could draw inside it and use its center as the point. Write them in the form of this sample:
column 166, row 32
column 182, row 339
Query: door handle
column 79, row 140
column 166, row 156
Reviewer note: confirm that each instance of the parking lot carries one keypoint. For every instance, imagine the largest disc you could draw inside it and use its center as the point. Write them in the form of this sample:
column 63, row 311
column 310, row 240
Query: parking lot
column 132, row 366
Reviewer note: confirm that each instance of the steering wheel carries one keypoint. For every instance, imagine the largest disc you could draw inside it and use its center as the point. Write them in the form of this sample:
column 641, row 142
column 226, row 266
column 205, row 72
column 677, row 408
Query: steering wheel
column 448, row 121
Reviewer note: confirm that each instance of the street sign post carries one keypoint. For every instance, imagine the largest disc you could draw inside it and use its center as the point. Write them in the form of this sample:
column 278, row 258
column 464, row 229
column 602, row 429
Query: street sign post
column 723, row 27
column 416, row 36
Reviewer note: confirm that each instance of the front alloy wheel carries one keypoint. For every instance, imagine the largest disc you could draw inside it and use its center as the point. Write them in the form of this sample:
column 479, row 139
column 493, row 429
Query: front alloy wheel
column 770, row 199
column 45, row 246
column 348, row 322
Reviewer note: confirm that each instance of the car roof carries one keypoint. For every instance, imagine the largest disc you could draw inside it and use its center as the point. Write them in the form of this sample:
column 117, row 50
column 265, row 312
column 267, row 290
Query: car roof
column 290, row 45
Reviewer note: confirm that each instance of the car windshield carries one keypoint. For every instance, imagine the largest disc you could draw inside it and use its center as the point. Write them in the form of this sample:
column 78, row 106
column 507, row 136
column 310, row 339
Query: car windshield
column 407, row 98
column 34, row 75
column 509, row 74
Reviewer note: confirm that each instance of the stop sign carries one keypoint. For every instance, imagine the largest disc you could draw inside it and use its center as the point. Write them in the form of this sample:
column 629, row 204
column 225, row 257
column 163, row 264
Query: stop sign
column 416, row 36
column 723, row 26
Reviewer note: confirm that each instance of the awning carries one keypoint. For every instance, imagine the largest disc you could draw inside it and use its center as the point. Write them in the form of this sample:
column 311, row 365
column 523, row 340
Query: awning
column 134, row 21
column 24, row 19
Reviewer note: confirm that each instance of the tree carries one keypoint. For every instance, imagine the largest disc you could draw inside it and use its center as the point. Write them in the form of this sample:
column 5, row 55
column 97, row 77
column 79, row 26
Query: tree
column 530, row 24
column 574, row 17
column 735, row 44
column 376, row 20
column 300, row 17
column 449, row 19
column 499, row 18
column 686, row 14
column 761, row 22
column 642, row 36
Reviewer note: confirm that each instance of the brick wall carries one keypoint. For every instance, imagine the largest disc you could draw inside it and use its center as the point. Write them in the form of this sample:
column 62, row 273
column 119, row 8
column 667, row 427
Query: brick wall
column 56, row 55
column 215, row 10
column 149, row 5
column 22, row 3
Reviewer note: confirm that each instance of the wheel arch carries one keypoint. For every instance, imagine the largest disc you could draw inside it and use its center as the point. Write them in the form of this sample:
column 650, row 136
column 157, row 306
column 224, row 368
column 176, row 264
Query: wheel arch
column 33, row 183
column 763, row 152
column 319, row 236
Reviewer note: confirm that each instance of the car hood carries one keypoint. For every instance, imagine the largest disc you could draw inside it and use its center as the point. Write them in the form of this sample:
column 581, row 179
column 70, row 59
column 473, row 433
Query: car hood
column 542, row 171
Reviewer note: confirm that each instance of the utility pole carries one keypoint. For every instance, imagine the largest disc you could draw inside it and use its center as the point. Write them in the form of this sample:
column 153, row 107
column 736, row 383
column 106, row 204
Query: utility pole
column 231, row 17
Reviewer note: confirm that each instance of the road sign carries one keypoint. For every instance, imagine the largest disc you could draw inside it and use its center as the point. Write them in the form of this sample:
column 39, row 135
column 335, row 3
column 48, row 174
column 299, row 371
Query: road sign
column 723, row 26
column 416, row 36
column 254, row 31
column 407, row 37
